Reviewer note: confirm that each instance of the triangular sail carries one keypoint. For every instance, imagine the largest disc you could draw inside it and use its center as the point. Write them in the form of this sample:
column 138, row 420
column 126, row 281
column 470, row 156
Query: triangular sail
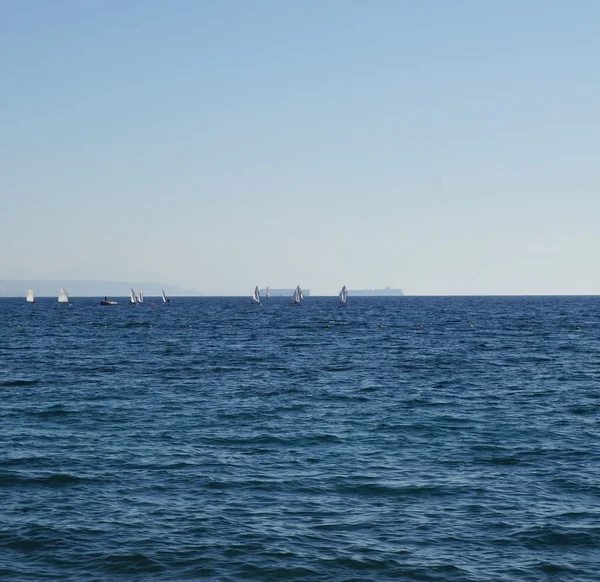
column 343, row 295
column 268, row 292
column 132, row 297
column 256, row 296
column 297, row 296
column 140, row 296
column 164, row 297
column 30, row 296
column 63, row 296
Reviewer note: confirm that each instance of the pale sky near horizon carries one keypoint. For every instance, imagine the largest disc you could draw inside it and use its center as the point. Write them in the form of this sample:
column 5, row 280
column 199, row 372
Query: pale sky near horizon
column 439, row 147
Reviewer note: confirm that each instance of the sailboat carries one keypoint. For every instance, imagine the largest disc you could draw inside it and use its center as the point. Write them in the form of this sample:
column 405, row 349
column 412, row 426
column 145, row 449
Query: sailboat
column 63, row 296
column 107, row 301
column 343, row 296
column 30, row 296
column 256, row 296
column 297, row 297
column 165, row 299
column 140, row 296
column 268, row 292
column 132, row 297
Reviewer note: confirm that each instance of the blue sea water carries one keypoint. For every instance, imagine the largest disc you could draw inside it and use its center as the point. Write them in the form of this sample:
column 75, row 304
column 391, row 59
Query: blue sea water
column 404, row 438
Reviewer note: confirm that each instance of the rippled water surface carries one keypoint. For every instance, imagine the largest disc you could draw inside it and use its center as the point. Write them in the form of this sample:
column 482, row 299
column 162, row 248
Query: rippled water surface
column 395, row 439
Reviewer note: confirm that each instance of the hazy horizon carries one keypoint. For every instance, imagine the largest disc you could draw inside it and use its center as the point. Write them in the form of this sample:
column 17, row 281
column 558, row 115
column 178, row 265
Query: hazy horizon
column 177, row 291
column 440, row 148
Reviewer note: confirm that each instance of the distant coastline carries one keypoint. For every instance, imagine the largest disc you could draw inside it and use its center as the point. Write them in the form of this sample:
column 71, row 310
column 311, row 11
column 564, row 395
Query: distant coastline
column 97, row 288
column 376, row 292
column 79, row 288
column 284, row 292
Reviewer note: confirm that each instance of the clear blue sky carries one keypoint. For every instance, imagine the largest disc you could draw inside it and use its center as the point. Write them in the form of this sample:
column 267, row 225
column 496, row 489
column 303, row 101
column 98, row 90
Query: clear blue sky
column 441, row 147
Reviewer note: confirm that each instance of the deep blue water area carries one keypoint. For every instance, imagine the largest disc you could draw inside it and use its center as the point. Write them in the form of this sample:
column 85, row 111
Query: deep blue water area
column 401, row 438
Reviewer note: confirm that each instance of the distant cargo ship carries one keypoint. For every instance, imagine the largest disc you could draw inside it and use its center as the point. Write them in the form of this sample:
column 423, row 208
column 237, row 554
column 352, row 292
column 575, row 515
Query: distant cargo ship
column 370, row 292
column 284, row 292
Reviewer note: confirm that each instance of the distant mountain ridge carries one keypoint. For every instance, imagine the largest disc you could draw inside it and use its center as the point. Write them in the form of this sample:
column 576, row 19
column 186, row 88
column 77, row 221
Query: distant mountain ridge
column 77, row 288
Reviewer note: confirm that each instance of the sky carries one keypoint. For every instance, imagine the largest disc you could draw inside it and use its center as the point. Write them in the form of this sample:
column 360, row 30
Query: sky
column 439, row 147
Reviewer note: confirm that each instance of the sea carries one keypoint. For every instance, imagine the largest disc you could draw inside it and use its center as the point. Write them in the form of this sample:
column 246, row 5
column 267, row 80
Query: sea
column 396, row 438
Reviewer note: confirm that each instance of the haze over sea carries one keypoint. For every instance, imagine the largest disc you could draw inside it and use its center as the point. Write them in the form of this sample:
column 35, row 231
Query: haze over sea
column 437, row 438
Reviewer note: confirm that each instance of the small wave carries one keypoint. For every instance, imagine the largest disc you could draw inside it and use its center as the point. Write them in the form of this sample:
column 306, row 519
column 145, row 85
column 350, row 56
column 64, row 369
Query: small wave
column 255, row 572
column 225, row 369
column 16, row 461
column 55, row 480
column 581, row 410
column 508, row 460
column 53, row 412
column 16, row 348
column 132, row 564
column 17, row 383
column 555, row 569
column 319, row 439
column 379, row 488
column 220, row 485
column 34, row 538
column 177, row 465
column 546, row 536
column 348, row 398
column 103, row 369
column 259, row 439
column 338, row 368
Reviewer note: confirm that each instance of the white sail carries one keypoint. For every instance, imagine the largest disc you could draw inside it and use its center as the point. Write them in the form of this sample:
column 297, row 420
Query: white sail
column 30, row 296
column 140, row 296
column 297, row 296
column 343, row 295
column 268, row 292
column 63, row 296
column 256, row 296
column 301, row 295
column 132, row 297
column 164, row 297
